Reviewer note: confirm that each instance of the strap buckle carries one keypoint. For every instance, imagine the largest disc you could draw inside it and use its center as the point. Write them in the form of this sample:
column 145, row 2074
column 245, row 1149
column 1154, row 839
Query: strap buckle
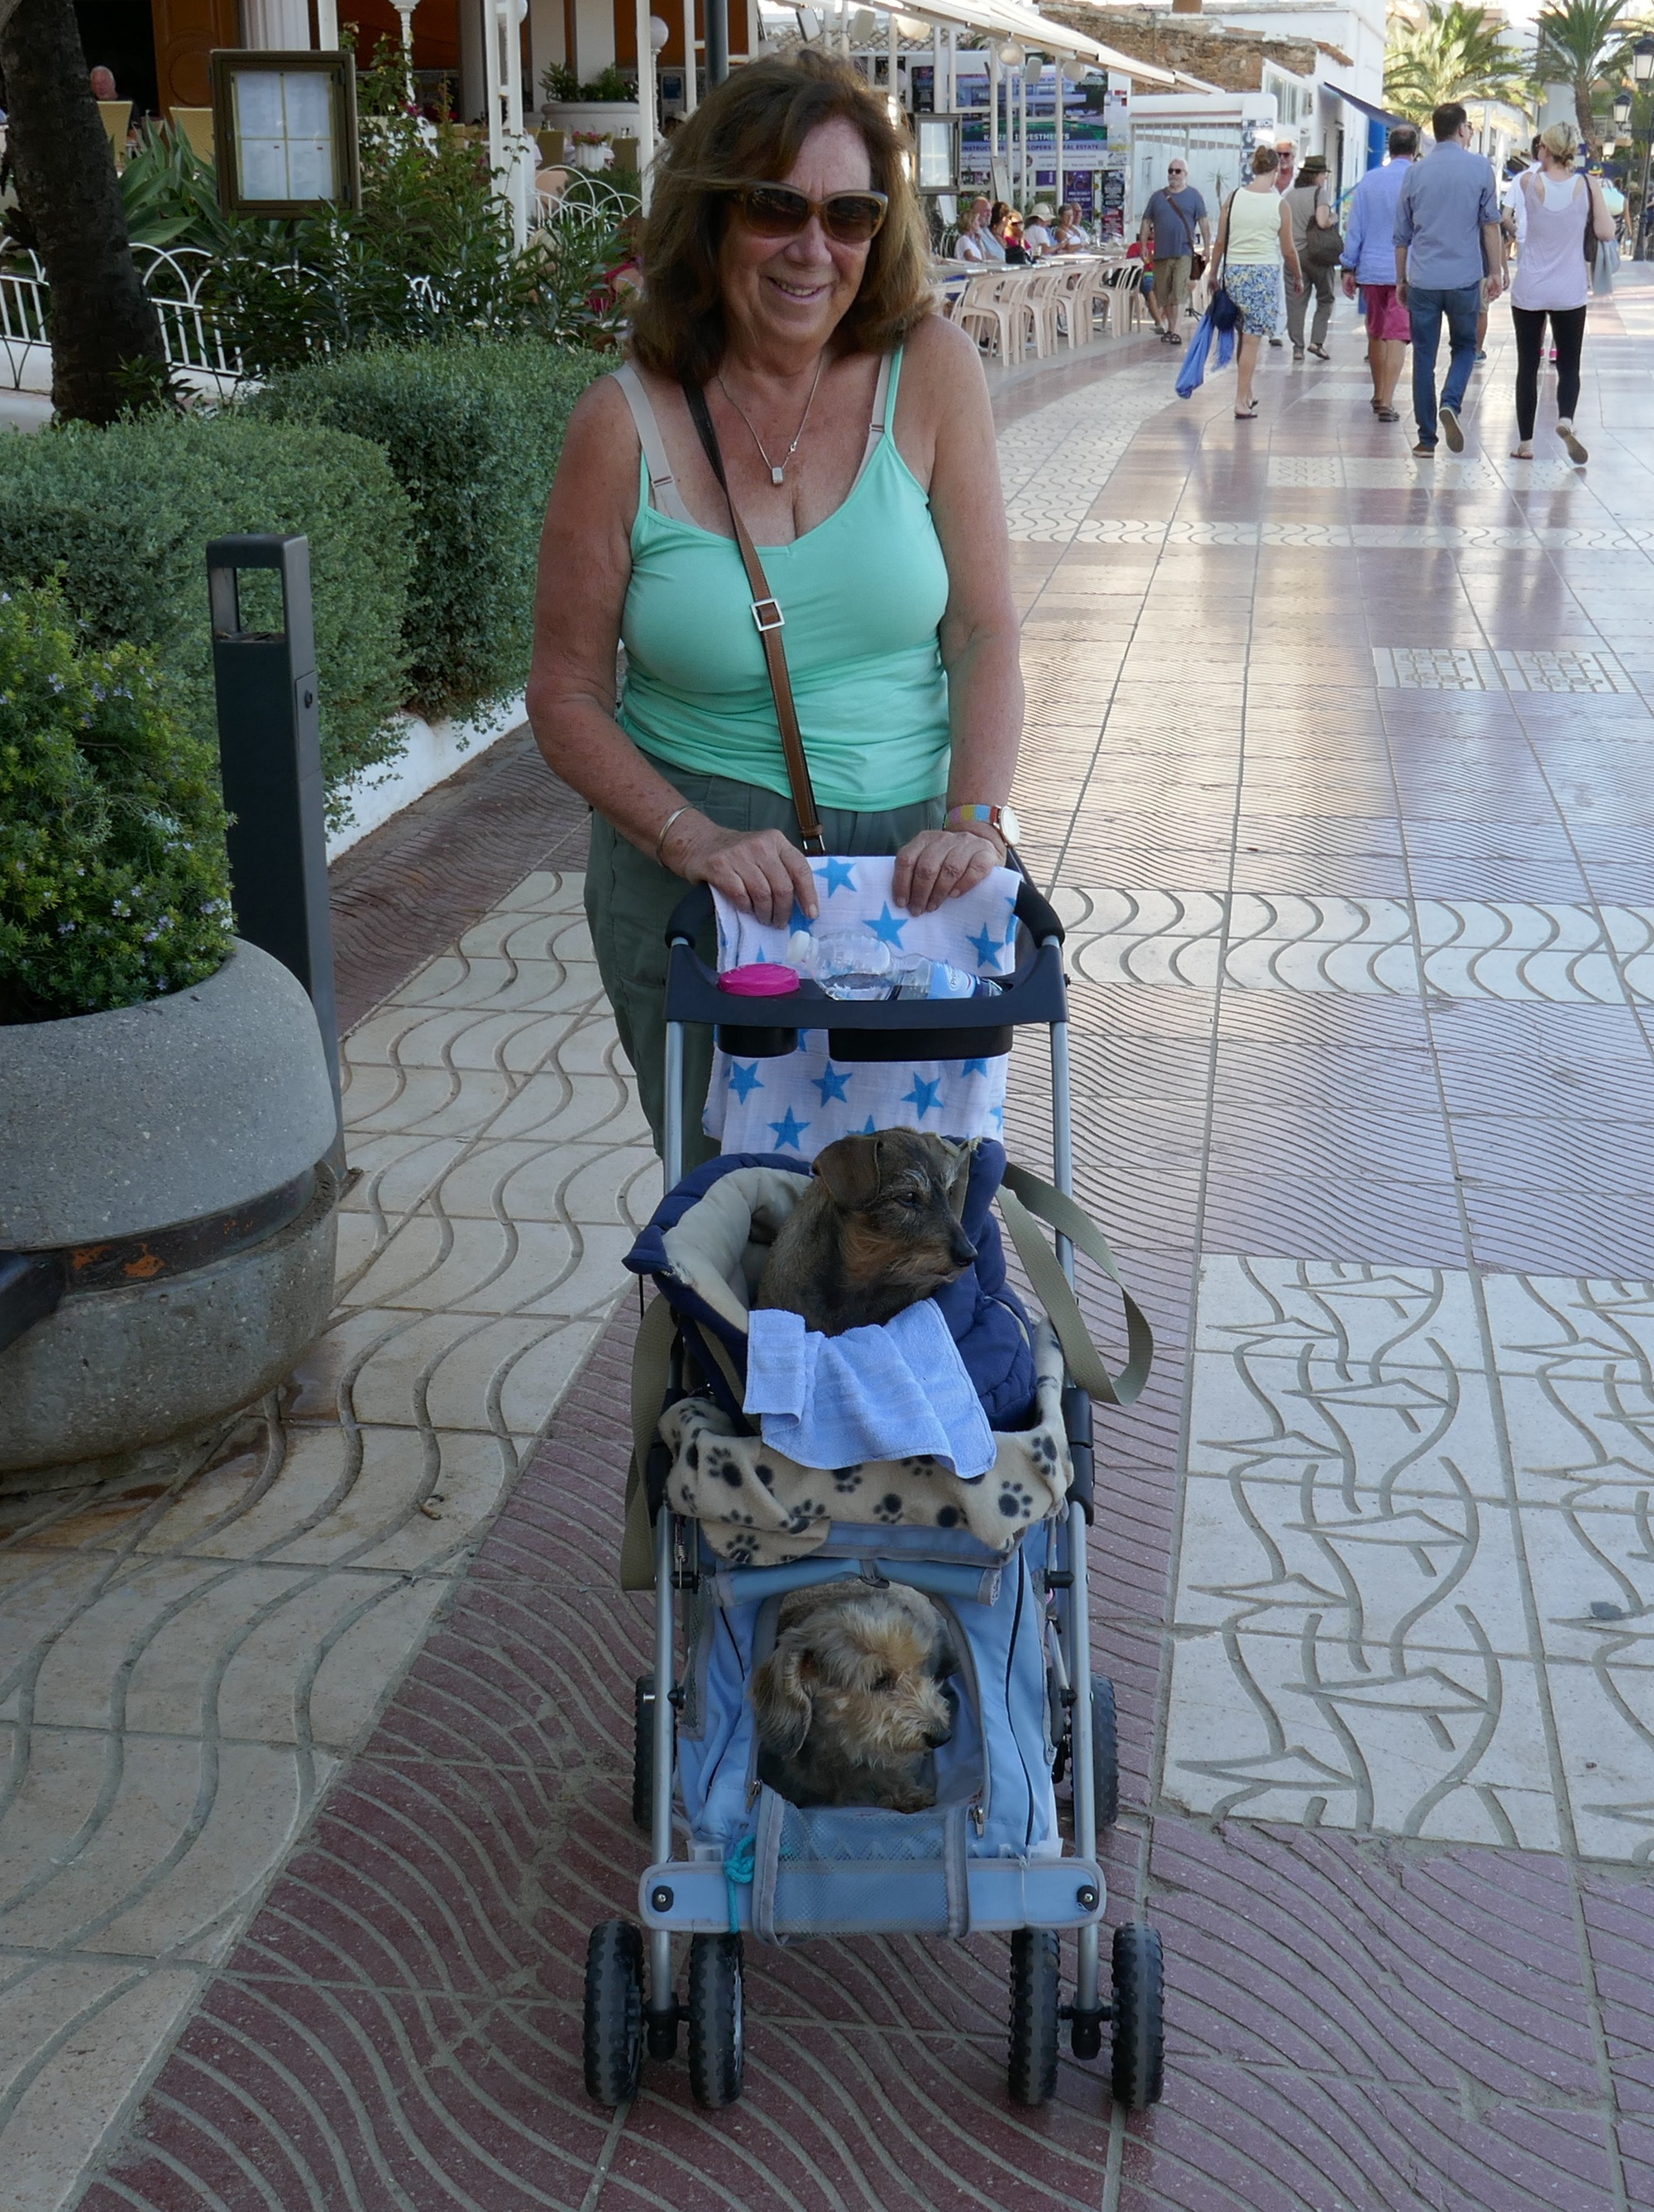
column 770, row 609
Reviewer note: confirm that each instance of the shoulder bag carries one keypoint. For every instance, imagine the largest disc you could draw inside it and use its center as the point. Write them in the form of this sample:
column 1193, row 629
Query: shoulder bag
column 1323, row 247
column 768, row 616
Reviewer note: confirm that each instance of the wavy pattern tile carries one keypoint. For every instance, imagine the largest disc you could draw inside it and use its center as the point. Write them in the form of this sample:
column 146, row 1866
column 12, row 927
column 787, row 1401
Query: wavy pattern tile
column 182, row 1671
column 1507, row 950
column 1414, row 1590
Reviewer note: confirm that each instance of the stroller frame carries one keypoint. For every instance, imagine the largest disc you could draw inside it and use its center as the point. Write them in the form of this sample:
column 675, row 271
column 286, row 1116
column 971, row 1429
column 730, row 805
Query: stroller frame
column 688, row 1895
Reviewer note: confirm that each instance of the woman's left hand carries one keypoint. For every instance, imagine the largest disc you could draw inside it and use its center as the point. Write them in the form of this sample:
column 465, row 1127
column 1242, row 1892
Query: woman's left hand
column 939, row 864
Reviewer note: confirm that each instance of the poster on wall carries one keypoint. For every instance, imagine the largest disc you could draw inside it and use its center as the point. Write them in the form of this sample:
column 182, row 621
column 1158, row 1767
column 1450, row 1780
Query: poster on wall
column 1111, row 220
column 1086, row 112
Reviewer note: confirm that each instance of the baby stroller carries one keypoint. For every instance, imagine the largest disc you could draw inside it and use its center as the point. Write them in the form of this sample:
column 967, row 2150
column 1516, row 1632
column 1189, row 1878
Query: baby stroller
column 989, row 1854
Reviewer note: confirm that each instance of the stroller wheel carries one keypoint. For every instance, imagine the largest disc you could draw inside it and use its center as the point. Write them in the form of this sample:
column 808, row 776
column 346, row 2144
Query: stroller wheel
column 1139, row 2016
column 1032, row 2072
column 612, row 2039
column 1105, row 1751
column 643, row 1753
column 717, row 2050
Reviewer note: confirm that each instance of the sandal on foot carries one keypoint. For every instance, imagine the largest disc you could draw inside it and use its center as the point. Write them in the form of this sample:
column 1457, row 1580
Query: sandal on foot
column 1388, row 414
column 1522, row 453
column 1320, row 352
column 1247, row 413
column 1576, row 453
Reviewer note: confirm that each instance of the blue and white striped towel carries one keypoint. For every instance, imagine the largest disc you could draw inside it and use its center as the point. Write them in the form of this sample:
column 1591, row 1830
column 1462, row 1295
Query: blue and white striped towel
column 805, row 1100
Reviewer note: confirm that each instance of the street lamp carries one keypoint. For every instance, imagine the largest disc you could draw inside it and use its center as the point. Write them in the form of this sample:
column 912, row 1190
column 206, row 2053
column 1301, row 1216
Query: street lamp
column 1621, row 109
column 1642, row 73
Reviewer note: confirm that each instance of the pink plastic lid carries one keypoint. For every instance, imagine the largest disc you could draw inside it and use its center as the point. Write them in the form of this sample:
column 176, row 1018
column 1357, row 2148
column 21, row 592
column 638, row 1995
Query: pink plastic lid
column 764, row 979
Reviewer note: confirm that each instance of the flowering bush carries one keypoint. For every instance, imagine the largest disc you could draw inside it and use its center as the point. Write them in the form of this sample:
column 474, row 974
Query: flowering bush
column 114, row 886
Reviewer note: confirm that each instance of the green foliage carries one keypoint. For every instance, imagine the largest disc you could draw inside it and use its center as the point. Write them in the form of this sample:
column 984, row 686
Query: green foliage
column 558, row 82
column 124, row 515
column 113, row 884
column 171, row 196
column 473, row 433
column 1458, row 53
column 1585, row 44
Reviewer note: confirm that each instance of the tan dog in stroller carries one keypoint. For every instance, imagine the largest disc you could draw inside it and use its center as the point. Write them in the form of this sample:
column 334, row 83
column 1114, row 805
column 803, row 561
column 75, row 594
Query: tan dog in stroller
column 851, row 1699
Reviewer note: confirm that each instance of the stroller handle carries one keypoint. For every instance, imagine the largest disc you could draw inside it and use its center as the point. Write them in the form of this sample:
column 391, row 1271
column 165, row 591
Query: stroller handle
column 695, row 910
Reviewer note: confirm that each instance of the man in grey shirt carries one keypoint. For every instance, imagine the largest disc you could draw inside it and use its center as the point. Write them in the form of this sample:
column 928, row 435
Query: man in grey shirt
column 1448, row 245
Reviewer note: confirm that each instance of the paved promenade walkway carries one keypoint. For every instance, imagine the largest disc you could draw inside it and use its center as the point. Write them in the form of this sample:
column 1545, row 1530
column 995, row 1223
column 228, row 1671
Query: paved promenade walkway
column 1339, row 765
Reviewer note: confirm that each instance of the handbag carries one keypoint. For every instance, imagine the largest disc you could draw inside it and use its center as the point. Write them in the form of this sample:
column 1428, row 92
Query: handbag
column 1323, row 247
column 767, row 614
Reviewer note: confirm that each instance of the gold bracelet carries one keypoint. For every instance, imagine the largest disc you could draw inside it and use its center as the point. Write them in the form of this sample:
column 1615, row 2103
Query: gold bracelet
column 660, row 858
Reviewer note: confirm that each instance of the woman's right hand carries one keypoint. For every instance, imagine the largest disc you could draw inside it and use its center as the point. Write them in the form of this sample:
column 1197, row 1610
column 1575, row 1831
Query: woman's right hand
column 758, row 871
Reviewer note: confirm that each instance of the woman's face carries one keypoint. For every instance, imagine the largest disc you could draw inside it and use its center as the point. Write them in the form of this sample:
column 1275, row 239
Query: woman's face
column 796, row 291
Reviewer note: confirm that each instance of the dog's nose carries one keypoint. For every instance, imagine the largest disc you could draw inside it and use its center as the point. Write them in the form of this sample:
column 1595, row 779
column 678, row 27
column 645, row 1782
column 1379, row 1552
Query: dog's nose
column 963, row 1250
column 937, row 1737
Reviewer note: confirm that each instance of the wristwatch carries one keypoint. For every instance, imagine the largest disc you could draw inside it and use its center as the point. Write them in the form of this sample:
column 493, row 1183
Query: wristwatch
column 1000, row 819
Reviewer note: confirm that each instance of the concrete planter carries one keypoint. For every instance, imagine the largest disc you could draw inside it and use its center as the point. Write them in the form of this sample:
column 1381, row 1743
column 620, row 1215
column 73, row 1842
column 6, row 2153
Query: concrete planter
column 174, row 1155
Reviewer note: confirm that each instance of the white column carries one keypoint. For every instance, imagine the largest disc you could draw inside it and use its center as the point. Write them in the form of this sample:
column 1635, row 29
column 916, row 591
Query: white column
column 893, row 48
column 1059, row 86
column 645, row 96
column 327, row 26
column 1022, row 120
column 688, row 57
column 993, row 114
column 276, row 23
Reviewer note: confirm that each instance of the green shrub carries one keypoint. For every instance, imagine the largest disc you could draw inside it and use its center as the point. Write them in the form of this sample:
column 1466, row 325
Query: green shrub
column 473, row 433
column 113, row 883
column 124, row 515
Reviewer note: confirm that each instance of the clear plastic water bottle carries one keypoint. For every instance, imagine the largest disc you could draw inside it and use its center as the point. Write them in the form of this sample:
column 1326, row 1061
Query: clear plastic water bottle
column 936, row 979
column 847, row 964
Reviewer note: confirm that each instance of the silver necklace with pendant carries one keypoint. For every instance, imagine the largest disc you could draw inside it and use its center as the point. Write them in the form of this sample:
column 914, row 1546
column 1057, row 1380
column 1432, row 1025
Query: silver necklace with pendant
column 777, row 469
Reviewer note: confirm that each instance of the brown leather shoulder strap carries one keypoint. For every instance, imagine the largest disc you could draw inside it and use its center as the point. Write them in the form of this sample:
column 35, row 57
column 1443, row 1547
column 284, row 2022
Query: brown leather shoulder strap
column 769, row 619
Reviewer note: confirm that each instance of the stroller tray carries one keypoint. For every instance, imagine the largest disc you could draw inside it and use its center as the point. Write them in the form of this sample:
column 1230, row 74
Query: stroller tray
column 696, row 1898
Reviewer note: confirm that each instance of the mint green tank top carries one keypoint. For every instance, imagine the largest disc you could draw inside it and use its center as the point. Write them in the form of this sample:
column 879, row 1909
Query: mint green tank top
column 862, row 594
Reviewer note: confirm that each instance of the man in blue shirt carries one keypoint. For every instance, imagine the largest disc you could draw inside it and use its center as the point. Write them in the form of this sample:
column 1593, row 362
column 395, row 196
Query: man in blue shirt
column 1449, row 256
column 1369, row 260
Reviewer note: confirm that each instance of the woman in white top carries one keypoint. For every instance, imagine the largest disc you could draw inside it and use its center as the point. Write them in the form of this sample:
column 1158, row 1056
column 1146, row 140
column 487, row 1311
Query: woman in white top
column 1072, row 236
column 1553, row 204
column 975, row 240
column 1254, row 239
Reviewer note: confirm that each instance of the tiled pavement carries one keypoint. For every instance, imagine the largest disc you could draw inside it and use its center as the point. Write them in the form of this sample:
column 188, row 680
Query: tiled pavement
column 1361, row 898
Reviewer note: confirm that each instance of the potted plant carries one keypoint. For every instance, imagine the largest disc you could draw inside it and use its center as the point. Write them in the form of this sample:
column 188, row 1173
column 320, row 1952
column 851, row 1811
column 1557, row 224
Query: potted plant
column 166, row 1115
column 607, row 106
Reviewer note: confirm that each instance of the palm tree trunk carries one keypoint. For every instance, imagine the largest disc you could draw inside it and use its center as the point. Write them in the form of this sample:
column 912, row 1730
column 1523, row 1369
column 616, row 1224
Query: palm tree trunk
column 106, row 336
column 1582, row 111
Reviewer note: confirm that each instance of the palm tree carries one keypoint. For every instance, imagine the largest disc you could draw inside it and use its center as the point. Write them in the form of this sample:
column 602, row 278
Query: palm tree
column 107, row 348
column 1458, row 52
column 1580, row 44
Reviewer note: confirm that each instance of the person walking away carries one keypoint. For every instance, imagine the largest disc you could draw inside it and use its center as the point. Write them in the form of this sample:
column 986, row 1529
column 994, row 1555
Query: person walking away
column 1557, row 210
column 1450, row 262
column 1312, row 211
column 1369, row 262
column 1175, row 216
column 1254, row 242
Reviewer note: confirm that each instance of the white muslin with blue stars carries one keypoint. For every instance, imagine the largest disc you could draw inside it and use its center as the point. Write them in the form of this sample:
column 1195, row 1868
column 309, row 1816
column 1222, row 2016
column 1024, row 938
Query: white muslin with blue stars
column 804, row 1100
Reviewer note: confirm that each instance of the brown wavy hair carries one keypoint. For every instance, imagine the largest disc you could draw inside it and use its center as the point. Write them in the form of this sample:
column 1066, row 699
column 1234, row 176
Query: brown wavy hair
column 751, row 128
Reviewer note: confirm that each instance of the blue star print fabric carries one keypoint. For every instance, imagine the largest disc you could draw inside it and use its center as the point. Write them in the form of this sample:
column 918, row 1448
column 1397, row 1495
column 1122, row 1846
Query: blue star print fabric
column 805, row 1100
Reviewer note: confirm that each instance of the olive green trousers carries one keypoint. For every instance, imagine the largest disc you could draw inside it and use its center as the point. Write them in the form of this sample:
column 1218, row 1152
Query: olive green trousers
column 629, row 898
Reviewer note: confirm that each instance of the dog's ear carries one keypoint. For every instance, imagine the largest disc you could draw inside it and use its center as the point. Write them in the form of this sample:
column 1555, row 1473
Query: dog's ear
column 850, row 1169
column 781, row 1702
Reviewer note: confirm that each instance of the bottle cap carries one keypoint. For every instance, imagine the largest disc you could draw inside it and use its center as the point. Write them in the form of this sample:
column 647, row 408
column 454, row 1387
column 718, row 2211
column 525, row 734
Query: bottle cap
column 763, row 978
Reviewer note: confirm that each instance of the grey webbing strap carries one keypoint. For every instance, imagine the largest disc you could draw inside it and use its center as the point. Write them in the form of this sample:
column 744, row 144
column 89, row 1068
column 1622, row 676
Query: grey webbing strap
column 663, row 484
column 651, row 1368
column 1023, row 1199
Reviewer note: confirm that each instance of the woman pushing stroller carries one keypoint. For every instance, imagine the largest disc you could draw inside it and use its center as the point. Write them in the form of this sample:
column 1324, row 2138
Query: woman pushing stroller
column 787, row 335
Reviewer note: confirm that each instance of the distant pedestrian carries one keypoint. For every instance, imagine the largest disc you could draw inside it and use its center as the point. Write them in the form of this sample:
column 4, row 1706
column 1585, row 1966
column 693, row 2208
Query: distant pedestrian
column 1286, row 165
column 1557, row 210
column 1369, row 262
column 1174, row 220
column 1312, row 211
column 1449, row 261
column 1254, row 241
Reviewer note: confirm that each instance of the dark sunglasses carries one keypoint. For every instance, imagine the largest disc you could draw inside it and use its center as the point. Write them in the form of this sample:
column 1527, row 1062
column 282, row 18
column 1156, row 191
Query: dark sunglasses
column 779, row 211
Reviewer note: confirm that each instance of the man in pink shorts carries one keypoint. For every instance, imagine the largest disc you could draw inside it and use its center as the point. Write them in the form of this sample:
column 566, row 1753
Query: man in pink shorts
column 1369, row 262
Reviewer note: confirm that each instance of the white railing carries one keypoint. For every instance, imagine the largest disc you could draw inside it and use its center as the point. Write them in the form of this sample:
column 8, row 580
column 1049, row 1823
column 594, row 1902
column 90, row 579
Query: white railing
column 587, row 197
column 173, row 279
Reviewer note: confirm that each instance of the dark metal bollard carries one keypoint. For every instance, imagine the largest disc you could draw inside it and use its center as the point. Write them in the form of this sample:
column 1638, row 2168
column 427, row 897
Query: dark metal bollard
column 269, row 754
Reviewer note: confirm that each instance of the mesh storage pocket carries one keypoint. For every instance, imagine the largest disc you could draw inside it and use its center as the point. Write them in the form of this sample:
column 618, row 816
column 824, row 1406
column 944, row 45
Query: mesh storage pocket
column 833, row 1870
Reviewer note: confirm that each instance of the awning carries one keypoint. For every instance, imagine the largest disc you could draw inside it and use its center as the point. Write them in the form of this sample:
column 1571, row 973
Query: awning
column 1009, row 19
column 1378, row 114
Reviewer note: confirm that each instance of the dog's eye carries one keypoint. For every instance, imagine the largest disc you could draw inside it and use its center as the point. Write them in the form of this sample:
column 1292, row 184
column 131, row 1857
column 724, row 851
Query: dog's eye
column 886, row 1680
column 908, row 1200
